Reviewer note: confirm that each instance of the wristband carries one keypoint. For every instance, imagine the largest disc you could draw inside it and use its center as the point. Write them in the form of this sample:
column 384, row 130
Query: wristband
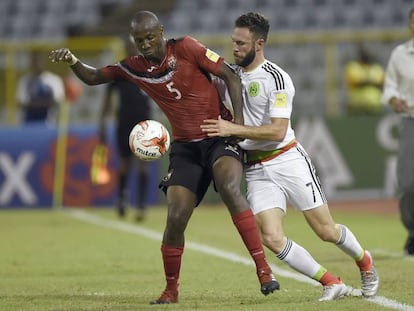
column 73, row 61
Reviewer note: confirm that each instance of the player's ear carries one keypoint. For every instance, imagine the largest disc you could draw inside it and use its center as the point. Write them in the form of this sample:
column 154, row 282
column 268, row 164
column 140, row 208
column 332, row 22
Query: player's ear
column 260, row 44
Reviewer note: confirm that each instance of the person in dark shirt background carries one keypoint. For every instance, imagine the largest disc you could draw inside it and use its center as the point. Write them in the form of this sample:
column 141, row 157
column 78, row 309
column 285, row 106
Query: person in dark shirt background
column 39, row 91
column 133, row 106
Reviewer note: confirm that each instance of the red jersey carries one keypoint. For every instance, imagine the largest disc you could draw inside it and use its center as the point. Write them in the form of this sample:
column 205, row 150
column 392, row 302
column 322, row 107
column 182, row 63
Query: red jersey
column 180, row 85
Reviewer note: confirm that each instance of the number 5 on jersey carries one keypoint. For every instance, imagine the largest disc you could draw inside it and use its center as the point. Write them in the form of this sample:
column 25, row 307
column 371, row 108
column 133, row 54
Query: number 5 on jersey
column 173, row 90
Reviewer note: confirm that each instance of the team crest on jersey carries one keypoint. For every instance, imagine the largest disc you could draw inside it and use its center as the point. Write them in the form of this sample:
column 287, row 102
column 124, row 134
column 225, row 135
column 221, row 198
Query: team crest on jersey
column 172, row 61
column 254, row 89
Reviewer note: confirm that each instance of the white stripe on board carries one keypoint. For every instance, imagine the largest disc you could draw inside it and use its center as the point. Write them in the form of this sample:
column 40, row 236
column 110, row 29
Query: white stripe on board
column 212, row 251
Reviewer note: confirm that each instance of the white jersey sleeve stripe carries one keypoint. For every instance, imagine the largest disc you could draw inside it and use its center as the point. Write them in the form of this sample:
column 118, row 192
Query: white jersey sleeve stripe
column 279, row 81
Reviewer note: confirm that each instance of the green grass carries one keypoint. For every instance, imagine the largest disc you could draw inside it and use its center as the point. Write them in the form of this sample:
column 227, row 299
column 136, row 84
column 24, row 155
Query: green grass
column 50, row 260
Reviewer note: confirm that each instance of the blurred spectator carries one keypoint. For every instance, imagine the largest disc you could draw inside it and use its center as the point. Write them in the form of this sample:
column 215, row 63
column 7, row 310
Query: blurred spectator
column 39, row 92
column 364, row 79
column 133, row 107
column 399, row 94
column 73, row 88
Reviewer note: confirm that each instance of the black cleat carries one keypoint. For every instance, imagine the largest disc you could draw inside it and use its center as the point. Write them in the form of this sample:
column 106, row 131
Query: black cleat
column 268, row 282
column 268, row 288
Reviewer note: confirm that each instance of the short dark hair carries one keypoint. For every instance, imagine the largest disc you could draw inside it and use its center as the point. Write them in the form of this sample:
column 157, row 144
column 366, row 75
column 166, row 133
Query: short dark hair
column 255, row 22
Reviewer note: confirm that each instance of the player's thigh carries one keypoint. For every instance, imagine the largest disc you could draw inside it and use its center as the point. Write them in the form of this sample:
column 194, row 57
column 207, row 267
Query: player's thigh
column 227, row 170
column 263, row 192
column 300, row 183
column 225, row 161
column 185, row 170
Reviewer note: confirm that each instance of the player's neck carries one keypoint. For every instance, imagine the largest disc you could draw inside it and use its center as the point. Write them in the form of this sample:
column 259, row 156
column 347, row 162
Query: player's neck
column 258, row 60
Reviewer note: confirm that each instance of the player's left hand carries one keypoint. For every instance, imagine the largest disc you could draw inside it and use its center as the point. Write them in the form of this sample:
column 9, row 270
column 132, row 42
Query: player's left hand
column 217, row 127
column 62, row 55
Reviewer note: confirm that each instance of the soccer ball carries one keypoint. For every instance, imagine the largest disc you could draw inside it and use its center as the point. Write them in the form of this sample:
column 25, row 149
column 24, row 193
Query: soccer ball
column 149, row 140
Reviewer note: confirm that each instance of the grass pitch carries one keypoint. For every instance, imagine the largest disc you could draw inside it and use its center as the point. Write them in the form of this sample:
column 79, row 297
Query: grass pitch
column 90, row 260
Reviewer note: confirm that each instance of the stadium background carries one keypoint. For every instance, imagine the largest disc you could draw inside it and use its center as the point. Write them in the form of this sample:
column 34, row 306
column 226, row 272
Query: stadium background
column 311, row 39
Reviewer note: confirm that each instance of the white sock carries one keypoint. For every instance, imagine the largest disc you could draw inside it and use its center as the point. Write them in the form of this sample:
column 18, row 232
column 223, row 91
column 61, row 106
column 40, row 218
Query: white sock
column 299, row 259
column 349, row 244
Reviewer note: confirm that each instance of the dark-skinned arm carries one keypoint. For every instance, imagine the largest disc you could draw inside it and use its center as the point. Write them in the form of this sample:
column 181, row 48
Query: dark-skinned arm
column 235, row 91
column 88, row 74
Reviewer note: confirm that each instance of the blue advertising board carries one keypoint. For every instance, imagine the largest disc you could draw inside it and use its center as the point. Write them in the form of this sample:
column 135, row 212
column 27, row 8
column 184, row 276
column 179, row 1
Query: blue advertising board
column 27, row 169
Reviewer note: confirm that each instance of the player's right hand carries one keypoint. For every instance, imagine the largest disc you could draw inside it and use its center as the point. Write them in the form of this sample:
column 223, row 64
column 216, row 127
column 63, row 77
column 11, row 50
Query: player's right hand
column 398, row 104
column 62, row 55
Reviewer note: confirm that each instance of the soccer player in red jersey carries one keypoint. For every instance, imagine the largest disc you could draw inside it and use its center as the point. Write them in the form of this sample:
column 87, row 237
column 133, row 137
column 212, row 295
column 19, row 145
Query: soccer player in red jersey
column 176, row 74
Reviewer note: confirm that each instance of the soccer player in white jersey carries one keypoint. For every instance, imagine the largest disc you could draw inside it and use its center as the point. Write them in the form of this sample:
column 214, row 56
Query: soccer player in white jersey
column 278, row 169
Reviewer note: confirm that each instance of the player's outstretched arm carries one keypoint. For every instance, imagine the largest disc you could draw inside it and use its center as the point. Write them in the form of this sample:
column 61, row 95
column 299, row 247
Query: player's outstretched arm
column 86, row 73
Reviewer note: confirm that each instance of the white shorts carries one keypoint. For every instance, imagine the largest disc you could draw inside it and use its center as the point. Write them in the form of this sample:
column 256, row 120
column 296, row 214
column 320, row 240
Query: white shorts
column 288, row 178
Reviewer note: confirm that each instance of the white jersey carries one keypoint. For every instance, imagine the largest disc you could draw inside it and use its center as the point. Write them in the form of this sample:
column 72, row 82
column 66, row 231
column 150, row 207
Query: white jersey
column 290, row 176
column 268, row 93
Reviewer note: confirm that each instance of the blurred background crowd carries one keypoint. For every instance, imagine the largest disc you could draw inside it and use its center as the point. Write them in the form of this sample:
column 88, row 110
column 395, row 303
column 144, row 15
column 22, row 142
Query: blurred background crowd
column 314, row 40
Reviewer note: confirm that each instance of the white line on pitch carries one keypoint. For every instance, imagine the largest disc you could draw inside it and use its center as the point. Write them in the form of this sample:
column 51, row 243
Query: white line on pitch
column 212, row 251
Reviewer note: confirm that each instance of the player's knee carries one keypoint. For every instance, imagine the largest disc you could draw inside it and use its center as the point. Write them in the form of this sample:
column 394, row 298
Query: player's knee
column 328, row 234
column 177, row 220
column 230, row 188
column 275, row 242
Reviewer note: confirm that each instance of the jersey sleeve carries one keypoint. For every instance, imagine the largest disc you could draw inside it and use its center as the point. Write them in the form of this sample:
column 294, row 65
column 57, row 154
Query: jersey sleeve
column 281, row 98
column 205, row 58
column 112, row 71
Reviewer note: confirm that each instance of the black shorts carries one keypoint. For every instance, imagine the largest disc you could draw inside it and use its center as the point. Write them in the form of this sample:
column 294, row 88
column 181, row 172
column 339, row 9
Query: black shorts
column 191, row 164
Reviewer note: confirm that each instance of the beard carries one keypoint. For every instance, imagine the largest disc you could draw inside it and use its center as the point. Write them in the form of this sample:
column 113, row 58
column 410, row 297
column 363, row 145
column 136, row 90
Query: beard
column 248, row 59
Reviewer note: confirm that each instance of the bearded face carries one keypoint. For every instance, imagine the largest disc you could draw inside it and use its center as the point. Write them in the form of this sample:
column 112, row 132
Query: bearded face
column 247, row 59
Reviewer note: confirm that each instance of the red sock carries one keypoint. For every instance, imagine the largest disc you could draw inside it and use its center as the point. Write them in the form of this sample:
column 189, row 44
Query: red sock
column 171, row 256
column 365, row 263
column 329, row 279
column 247, row 227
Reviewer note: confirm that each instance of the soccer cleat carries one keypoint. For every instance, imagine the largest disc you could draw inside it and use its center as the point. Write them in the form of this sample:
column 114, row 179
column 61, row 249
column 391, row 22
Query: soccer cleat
column 166, row 297
column 335, row 291
column 369, row 280
column 268, row 282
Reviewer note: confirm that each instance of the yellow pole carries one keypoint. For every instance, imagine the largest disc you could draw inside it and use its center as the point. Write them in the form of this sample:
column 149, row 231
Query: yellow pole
column 60, row 164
